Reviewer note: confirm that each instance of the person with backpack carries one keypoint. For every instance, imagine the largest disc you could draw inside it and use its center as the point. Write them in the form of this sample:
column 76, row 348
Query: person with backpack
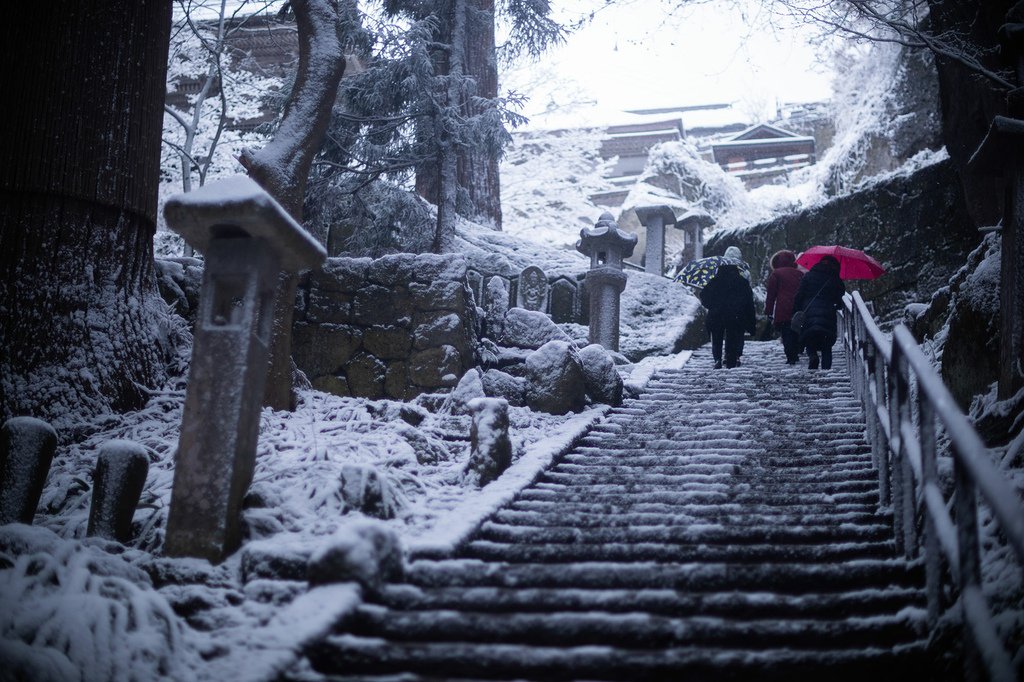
column 730, row 304
column 818, row 298
column 781, row 289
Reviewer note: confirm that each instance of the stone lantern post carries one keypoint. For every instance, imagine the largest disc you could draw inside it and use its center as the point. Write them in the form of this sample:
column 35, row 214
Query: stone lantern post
column 654, row 219
column 694, row 221
column 247, row 239
column 607, row 246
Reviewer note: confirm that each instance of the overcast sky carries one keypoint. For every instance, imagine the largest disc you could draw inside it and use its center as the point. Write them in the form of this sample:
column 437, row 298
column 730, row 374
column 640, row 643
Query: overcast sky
column 631, row 56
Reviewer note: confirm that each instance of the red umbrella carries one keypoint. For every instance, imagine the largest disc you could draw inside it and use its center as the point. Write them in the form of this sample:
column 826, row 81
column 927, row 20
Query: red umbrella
column 853, row 264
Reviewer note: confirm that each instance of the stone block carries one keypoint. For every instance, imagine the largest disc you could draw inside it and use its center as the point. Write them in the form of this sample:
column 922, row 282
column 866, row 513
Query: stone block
column 365, row 375
column 490, row 446
column 375, row 304
column 556, row 383
column 476, row 286
column 396, row 380
column 323, row 349
column 328, row 307
column 438, row 329
column 469, row 388
column 435, row 367
column 495, row 306
column 341, row 274
column 563, row 301
column 26, row 451
column 387, row 342
column 365, row 490
column 334, row 385
column 118, row 479
column 430, row 267
column 439, row 295
column 392, row 269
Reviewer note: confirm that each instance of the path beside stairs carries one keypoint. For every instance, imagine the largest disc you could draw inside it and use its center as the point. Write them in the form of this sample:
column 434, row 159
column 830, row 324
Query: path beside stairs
column 722, row 526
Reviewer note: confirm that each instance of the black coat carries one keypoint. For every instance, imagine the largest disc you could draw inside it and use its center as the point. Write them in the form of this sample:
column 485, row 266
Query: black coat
column 820, row 308
column 730, row 301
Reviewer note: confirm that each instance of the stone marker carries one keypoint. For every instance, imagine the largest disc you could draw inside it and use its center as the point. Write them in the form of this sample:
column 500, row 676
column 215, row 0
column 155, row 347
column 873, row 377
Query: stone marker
column 693, row 223
column 117, row 484
column 563, row 298
column 490, row 447
column 607, row 246
column 27, row 445
column 532, row 293
column 247, row 239
column 654, row 219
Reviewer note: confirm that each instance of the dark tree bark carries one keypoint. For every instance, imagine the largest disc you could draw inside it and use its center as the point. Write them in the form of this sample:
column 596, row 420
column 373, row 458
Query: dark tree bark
column 80, row 316
column 282, row 167
column 476, row 170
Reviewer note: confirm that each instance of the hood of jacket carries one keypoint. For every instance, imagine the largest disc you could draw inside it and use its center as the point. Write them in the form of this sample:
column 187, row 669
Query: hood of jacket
column 783, row 259
column 733, row 252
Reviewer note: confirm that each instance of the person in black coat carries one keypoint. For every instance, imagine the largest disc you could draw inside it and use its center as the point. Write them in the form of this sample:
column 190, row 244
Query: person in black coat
column 820, row 295
column 730, row 304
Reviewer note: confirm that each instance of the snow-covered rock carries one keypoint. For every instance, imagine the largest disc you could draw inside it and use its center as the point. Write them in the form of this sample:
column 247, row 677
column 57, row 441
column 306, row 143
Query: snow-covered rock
column 555, row 381
column 469, row 388
column 27, row 445
column 365, row 552
column 603, row 382
column 364, row 489
column 529, row 329
column 495, row 306
column 498, row 384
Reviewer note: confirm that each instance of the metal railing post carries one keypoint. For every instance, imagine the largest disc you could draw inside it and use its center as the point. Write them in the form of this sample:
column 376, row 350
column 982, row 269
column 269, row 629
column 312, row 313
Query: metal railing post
column 898, row 483
column 929, row 476
column 970, row 560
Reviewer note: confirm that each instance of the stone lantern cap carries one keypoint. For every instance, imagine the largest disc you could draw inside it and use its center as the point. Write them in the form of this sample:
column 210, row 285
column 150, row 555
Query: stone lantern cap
column 238, row 207
column 606, row 236
column 995, row 154
column 645, row 213
column 695, row 218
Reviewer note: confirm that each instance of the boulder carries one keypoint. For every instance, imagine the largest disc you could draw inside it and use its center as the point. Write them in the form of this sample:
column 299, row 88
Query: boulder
column 469, row 388
column 498, row 384
column 490, row 447
column 495, row 306
column 555, row 380
column 603, row 382
column 365, row 552
column 529, row 329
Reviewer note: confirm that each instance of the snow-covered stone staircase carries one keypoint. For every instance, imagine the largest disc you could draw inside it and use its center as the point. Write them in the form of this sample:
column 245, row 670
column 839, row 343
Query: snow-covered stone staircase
column 723, row 525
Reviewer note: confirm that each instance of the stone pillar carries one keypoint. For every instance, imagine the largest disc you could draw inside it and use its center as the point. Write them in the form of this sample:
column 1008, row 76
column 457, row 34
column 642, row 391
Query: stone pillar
column 654, row 219
column 490, row 446
column 26, row 451
column 117, row 484
column 693, row 222
column 247, row 239
column 607, row 246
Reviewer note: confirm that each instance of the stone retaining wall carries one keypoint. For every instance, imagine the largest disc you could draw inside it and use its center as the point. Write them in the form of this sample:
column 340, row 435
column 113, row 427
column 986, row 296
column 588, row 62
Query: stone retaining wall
column 392, row 327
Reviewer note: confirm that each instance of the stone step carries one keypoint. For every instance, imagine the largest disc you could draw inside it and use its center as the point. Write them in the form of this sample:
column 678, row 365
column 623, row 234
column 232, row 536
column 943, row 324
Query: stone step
column 633, row 630
column 568, row 471
column 552, row 515
column 739, row 553
column 703, row 577
column 700, row 533
column 665, row 602
column 561, row 507
column 704, row 496
column 619, row 485
column 352, row 655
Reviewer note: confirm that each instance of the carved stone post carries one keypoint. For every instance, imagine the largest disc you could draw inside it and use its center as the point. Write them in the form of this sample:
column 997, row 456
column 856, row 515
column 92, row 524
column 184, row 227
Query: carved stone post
column 693, row 222
column 1001, row 156
column 654, row 219
column 247, row 239
column 117, row 484
column 26, row 451
column 607, row 246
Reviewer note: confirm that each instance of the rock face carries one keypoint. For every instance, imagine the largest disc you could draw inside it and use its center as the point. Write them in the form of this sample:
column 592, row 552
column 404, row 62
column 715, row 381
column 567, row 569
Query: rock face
column 393, row 327
column 603, row 382
column 917, row 226
column 555, row 380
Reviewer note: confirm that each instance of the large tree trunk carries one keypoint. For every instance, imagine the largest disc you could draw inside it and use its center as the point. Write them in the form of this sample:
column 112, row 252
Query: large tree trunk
column 80, row 316
column 282, row 167
column 476, row 171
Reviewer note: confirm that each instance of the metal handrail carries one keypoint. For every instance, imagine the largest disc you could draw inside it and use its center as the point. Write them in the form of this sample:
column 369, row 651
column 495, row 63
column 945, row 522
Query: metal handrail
column 904, row 451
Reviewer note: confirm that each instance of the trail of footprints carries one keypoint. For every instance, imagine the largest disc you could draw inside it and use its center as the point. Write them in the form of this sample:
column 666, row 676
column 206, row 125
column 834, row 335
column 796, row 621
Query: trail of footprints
column 722, row 526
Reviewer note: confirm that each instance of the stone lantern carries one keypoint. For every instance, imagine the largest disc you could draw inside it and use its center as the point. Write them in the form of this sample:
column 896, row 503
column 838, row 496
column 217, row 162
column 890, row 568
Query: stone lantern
column 693, row 223
column 654, row 219
column 247, row 240
column 607, row 247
